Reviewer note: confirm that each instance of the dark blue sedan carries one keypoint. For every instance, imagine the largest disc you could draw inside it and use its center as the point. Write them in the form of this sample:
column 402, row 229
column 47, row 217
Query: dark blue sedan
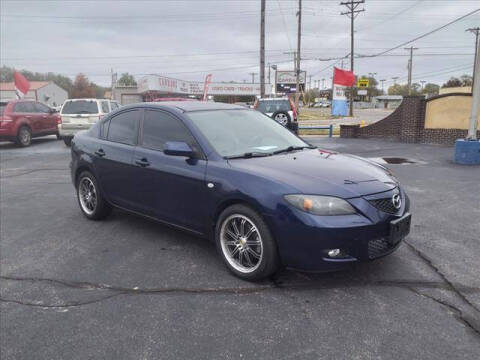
column 223, row 172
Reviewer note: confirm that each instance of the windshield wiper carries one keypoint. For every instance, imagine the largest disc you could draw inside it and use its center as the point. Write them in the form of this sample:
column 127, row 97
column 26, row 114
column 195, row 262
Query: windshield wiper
column 248, row 155
column 293, row 148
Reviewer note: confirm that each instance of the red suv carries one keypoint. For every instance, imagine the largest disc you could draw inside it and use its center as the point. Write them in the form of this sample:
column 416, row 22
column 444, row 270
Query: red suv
column 21, row 120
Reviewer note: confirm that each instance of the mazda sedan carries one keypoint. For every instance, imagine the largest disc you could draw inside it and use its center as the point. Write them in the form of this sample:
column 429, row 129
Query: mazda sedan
column 266, row 197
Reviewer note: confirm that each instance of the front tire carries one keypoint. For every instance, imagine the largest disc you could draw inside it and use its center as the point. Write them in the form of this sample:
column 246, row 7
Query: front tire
column 67, row 141
column 24, row 137
column 90, row 199
column 246, row 244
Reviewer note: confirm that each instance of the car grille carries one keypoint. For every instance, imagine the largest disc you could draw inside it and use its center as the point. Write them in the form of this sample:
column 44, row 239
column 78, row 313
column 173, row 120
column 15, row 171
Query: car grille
column 378, row 247
column 385, row 205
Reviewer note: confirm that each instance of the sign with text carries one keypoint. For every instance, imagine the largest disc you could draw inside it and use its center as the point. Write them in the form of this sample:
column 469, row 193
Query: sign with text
column 363, row 83
column 286, row 81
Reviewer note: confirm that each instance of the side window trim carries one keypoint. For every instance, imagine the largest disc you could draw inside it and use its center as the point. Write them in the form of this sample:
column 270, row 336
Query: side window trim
column 200, row 153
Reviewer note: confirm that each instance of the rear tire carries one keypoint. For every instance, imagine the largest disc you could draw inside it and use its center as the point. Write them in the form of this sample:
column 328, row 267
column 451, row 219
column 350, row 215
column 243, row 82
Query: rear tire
column 246, row 244
column 67, row 141
column 282, row 117
column 24, row 137
column 90, row 199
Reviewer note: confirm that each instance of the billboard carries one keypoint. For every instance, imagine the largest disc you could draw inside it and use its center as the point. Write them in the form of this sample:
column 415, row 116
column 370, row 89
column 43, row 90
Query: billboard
column 286, row 81
column 174, row 86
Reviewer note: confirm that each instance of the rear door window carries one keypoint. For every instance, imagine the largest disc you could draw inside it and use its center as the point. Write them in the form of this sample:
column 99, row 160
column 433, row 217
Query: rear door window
column 160, row 127
column 271, row 106
column 123, row 127
column 24, row 107
column 80, row 107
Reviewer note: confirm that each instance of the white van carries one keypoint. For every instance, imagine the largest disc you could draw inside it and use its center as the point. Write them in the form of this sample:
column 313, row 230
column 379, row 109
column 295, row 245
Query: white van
column 80, row 114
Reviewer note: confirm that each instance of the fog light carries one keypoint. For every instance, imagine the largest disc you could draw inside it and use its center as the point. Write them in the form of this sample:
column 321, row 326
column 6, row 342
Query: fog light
column 333, row 253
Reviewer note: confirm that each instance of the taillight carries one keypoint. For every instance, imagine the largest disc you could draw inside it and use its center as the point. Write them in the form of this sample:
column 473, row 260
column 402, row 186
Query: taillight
column 292, row 106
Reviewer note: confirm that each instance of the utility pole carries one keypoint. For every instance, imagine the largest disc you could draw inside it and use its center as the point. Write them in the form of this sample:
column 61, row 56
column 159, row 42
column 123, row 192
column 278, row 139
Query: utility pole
column 310, row 82
column 472, row 129
column 262, row 50
column 297, row 70
column 323, row 84
column 383, row 81
column 352, row 12
column 253, row 76
column 475, row 31
column 410, row 66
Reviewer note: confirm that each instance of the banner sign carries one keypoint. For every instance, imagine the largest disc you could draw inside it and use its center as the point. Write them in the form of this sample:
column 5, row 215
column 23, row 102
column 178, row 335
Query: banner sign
column 168, row 85
column 286, row 81
column 342, row 79
column 205, row 87
column 21, row 85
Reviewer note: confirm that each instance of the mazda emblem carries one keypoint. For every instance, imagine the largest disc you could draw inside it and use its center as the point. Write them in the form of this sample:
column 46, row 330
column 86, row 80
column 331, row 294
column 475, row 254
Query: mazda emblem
column 397, row 201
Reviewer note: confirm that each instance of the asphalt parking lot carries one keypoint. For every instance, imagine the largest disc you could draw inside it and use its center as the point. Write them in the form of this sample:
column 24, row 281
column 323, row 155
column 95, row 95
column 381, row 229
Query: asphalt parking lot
column 129, row 288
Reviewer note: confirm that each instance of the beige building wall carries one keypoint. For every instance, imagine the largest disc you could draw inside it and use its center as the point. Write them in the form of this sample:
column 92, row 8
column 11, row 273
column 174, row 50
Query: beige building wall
column 450, row 112
column 463, row 89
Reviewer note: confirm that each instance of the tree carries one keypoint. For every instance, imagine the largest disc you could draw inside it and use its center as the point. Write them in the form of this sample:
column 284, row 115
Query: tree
column 452, row 82
column 82, row 88
column 126, row 80
column 431, row 89
column 399, row 89
column 466, row 80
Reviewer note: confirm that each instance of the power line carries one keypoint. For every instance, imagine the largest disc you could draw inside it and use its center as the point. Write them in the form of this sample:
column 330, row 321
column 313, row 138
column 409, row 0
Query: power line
column 426, row 34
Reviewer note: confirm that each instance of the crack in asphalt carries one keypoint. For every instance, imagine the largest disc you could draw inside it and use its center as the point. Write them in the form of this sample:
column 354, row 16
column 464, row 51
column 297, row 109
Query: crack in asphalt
column 458, row 314
column 274, row 283
column 32, row 171
column 451, row 286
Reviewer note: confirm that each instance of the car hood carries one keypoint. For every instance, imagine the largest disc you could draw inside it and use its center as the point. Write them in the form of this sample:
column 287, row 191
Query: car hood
column 321, row 172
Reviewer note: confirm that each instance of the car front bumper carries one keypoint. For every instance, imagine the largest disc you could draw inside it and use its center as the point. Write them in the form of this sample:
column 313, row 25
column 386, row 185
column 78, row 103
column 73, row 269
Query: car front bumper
column 304, row 239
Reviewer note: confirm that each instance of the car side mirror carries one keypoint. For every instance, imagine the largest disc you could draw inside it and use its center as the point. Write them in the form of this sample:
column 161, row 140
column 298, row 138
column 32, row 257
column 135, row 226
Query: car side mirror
column 177, row 148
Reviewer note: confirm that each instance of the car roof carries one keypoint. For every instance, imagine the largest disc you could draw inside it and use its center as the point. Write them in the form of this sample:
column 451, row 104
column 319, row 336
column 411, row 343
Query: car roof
column 186, row 106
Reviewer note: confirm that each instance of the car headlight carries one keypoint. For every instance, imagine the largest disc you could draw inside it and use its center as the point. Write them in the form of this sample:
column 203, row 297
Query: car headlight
column 320, row 205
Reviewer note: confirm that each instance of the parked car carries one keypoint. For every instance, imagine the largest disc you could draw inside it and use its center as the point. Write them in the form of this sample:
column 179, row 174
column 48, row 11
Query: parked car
column 81, row 114
column 322, row 104
column 230, row 174
column 22, row 120
column 281, row 110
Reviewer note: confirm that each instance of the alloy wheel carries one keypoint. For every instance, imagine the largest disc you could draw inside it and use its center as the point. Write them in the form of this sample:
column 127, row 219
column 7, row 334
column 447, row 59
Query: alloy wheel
column 282, row 119
column 25, row 136
column 241, row 243
column 87, row 195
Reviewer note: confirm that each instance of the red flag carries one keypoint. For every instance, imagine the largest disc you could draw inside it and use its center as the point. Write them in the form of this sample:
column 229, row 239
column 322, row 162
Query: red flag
column 343, row 77
column 21, row 84
column 205, row 88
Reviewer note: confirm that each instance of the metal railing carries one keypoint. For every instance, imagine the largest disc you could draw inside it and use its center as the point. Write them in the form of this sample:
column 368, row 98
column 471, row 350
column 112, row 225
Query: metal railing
column 317, row 127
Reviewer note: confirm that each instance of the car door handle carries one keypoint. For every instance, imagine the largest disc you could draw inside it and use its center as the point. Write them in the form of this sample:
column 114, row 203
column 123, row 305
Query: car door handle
column 142, row 162
column 100, row 152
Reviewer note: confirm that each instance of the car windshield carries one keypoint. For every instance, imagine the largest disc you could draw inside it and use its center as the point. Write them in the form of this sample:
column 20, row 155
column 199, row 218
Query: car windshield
column 239, row 132
column 3, row 105
column 80, row 107
column 271, row 106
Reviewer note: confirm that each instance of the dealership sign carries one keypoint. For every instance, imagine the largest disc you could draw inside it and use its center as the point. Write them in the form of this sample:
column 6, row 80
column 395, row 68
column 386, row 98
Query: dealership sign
column 168, row 85
column 286, row 81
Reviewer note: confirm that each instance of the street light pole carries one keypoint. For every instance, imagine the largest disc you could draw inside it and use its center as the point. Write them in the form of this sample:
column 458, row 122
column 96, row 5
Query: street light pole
column 299, row 38
column 383, row 81
column 262, row 50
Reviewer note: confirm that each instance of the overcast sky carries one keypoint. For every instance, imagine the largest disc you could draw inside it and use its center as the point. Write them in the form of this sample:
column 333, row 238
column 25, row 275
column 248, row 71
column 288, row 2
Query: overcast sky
column 189, row 39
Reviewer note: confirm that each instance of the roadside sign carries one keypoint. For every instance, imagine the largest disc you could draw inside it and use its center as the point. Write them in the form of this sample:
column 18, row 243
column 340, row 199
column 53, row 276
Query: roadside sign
column 362, row 92
column 363, row 83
